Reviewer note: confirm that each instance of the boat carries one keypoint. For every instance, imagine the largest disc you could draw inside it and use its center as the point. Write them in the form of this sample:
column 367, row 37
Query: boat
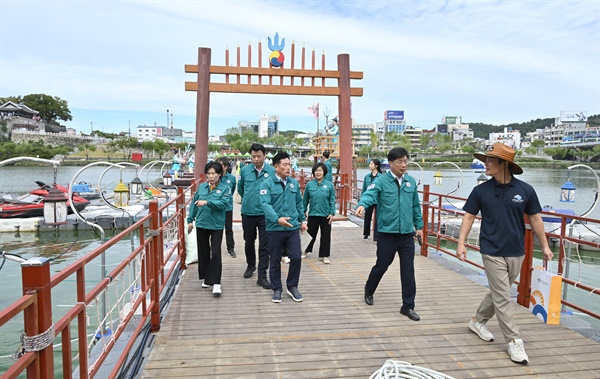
column 385, row 165
column 32, row 204
column 477, row 165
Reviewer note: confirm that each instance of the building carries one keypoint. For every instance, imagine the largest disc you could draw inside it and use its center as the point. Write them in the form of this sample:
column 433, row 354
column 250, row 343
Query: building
column 148, row 133
column 361, row 134
column 414, row 135
column 509, row 137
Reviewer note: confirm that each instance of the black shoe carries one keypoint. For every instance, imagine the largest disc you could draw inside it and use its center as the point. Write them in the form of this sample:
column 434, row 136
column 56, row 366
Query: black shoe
column 277, row 296
column 368, row 298
column 249, row 271
column 231, row 253
column 264, row 283
column 410, row 313
column 366, row 237
column 295, row 294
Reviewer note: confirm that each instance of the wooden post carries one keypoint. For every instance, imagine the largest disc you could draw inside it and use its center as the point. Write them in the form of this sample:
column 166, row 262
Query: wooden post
column 155, row 266
column 425, row 214
column 36, row 279
column 345, row 116
column 202, row 110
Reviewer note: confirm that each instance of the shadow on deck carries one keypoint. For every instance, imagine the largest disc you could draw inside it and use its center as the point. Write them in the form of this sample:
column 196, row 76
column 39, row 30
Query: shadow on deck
column 333, row 333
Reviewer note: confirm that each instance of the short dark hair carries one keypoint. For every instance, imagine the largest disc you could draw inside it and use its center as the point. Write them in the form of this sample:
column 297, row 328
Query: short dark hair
column 224, row 161
column 317, row 165
column 326, row 154
column 279, row 156
column 397, row 152
column 257, row 147
column 216, row 165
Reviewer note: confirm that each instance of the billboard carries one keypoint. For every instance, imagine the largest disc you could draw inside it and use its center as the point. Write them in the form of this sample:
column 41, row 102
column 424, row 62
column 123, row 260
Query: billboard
column 393, row 115
column 450, row 120
column 573, row 116
column 442, row 128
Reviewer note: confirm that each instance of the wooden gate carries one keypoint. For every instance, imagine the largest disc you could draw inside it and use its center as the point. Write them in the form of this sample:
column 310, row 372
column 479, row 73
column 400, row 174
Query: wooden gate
column 271, row 80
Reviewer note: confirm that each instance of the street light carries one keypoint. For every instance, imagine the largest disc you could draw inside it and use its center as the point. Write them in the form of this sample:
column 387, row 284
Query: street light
column 55, row 202
column 437, row 178
column 440, row 175
column 137, row 186
column 567, row 192
column 597, row 190
column 422, row 173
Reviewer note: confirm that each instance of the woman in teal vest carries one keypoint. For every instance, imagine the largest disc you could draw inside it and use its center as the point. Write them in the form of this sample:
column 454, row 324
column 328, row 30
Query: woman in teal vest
column 375, row 167
column 207, row 212
column 319, row 201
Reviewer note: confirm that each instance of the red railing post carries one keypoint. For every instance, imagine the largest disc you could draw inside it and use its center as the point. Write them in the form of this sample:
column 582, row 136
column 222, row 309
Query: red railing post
column 182, row 228
column 524, row 287
column 345, row 192
column 425, row 214
column 155, row 260
column 36, row 278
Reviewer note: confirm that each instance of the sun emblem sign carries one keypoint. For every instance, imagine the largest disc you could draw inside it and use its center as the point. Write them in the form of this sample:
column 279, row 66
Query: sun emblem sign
column 276, row 58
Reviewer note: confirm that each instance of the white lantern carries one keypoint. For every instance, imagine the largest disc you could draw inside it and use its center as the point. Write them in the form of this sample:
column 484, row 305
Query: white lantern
column 55, row 207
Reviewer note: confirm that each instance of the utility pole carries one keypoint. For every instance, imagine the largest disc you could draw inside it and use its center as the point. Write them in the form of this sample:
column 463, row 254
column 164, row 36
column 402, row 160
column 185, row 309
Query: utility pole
column 166, row 126
column 129, row 128
column 91, row 127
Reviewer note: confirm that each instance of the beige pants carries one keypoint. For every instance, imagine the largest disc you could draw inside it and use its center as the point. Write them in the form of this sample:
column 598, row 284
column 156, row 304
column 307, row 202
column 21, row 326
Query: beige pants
column 501, row 273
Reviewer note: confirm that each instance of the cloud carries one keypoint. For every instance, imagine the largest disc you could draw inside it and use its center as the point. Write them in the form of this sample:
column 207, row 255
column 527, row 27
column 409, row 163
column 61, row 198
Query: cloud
column 490, row 61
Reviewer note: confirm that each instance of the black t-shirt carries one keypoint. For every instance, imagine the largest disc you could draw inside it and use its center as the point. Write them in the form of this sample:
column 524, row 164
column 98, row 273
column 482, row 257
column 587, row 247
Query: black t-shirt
column 502, row 212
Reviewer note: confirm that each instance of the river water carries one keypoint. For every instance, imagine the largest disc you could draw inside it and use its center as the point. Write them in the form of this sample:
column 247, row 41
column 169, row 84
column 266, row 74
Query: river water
column 69, row 246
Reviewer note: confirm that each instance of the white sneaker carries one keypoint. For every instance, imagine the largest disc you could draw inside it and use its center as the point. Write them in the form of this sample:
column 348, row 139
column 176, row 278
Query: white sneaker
column 326, row 260
column 217, row 290
column 304, row 254
column 204, row 285
column 285, row 259
column 516, row 350
column 481, row 330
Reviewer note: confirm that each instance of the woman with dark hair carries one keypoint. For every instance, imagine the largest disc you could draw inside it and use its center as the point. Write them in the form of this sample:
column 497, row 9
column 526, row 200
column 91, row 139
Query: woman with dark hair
column 319, row 201
column 375, row 167
column 207, row 212
column 231, row 181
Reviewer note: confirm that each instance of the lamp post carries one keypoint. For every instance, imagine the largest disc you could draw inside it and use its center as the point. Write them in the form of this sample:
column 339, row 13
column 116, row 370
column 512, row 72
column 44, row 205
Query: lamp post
column 55, row 202
column 568, row 192
column 437, row 178
column 458, row 168
column 104, row 330
column 422, row 172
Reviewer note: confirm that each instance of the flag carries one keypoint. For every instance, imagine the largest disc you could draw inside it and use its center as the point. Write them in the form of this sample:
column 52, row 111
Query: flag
column 314, row 109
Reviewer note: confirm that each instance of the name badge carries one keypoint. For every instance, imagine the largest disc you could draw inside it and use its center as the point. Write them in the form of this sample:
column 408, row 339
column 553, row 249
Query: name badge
column 291, row 186
column 408, row 184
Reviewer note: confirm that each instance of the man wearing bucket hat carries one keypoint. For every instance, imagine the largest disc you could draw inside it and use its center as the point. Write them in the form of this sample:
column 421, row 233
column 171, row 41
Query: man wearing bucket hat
column 503, row 201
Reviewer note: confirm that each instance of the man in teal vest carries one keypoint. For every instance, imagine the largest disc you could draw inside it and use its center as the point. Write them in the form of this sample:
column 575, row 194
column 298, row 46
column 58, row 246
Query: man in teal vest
column 281, row 202
column 399, row 218
column 253, row 216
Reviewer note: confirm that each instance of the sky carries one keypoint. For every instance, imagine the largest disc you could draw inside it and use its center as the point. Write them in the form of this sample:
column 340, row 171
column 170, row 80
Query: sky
column 120, row 64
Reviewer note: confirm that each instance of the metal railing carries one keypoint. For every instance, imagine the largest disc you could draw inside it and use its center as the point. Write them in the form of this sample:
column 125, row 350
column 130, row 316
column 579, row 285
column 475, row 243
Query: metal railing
column 160, row 253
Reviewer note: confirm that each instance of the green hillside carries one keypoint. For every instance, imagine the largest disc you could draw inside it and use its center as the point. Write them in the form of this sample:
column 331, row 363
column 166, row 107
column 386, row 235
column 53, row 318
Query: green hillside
column 482, row 130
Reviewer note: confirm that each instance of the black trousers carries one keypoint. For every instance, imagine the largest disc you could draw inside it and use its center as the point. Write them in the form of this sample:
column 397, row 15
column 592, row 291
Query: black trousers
column 290, row 240
column 210, row 264
column 388, row 245
column 250, row 224
column 314, row 223
column 367, row 223
column 229, row 230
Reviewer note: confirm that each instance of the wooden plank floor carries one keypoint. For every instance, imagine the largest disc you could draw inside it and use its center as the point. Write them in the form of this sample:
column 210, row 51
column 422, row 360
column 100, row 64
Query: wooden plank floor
column 334, row 334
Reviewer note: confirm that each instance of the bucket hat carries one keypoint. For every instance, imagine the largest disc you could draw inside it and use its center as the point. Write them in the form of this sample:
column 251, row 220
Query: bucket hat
column 504, row 152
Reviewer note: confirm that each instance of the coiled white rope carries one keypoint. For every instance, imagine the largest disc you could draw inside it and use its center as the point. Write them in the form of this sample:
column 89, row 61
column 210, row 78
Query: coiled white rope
column 398, row 369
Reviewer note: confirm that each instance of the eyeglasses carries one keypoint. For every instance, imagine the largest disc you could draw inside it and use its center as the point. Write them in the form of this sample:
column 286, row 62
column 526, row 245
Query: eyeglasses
column 401, row 162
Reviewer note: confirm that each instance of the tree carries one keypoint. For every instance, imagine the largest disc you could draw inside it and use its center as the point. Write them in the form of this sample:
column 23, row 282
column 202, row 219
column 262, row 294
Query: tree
column 126, row 145
column 51, row 109
column 538, row 144
column 160, row 147
column 110, row 148
column 87, row 148
column 468, row 149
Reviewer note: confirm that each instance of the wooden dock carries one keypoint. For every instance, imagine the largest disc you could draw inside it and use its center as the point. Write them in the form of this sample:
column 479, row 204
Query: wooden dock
column 334, row 334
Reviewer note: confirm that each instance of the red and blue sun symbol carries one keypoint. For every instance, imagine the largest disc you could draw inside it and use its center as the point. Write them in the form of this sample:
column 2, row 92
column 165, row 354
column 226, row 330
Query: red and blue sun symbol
column 276, row 57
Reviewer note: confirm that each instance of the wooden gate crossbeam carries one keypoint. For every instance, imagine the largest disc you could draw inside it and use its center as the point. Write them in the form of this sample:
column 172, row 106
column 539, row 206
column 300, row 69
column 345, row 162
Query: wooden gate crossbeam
column 293, row 89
